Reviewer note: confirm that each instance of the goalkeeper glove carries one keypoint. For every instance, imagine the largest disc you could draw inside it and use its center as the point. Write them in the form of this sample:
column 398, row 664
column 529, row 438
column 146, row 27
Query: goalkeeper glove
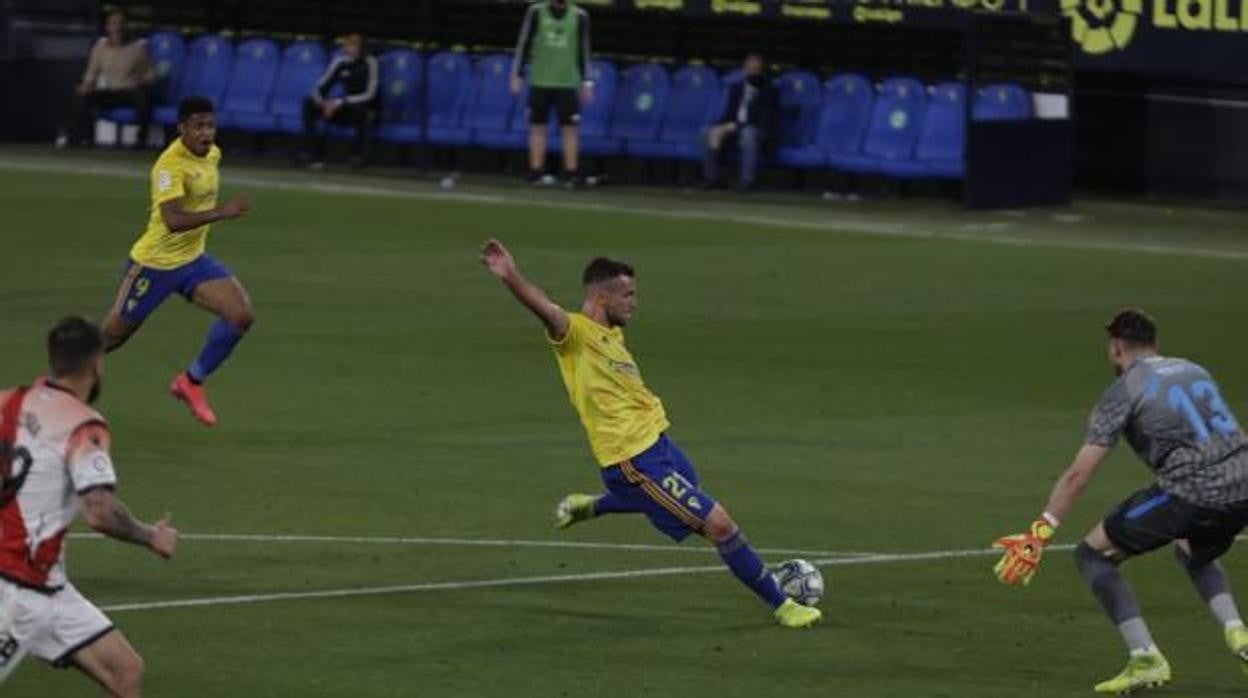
column 1022, row 553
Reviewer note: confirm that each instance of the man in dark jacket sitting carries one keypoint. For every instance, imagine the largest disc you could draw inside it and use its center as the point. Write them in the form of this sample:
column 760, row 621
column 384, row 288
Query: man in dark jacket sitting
column 356, row 72
column 748, row 117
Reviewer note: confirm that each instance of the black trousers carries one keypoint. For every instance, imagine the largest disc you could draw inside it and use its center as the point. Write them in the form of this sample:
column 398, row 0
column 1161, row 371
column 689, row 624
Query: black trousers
column 88, row 107
column 357, row 116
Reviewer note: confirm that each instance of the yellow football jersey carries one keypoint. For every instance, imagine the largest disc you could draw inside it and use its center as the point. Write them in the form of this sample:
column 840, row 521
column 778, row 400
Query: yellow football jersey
column 178, row 174
column 621, row 417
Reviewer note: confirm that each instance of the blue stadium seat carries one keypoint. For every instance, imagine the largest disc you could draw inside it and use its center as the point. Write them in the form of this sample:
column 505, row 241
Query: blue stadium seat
column 800, row 98
column 402, row 96
column 492, row 102
column 942, row 139
column 516, row 133
column 246, row 102
column 1001, row 102
column 692, row 96
column 303, row 63
column 843, row 120
column 641, row 104
column 206, row 74
column 168, row 52
column 595, row 116
column 896, row 118
column 450, row 90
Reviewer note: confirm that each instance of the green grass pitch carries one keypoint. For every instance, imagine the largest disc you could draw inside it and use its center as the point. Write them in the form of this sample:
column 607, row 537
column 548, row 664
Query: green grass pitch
column 887, row 377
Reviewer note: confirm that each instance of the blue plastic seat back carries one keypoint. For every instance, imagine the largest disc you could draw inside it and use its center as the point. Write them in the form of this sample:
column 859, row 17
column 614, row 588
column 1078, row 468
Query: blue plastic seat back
column 642, row 103
column 1002, row 102
column 492, row 100
column 303, row 63
column 691, row 98
column 252, row 77
column 207, row 73
column 596, row 116
column 943, row 136
column 450, row 88
column 401, row 86
column 168, row 53
column 520, row 111
column 896, row 119
column 800, row 98
column 845, row 115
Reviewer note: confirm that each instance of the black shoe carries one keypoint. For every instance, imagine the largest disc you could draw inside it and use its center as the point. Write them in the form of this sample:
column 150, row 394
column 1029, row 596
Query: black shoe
column 575, row 182
column 744, row 187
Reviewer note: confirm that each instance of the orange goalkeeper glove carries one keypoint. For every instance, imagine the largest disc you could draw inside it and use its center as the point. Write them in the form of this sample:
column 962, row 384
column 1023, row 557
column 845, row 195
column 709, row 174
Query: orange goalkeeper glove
column 1022, row 553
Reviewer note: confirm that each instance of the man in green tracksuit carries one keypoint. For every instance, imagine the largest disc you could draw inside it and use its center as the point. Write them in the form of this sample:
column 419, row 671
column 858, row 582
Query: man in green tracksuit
column 554, row 43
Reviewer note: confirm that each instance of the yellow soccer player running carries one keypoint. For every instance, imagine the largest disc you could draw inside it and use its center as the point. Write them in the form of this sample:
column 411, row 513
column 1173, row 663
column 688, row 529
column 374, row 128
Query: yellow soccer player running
column 170, row 256
column 643, row 470
column 1172, row 414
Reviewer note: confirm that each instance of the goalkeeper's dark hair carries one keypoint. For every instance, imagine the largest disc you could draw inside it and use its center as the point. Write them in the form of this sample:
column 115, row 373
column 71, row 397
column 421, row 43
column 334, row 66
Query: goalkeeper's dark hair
column 601, row 269
column 73, row 343
column 1133, row 327
column 193, row 105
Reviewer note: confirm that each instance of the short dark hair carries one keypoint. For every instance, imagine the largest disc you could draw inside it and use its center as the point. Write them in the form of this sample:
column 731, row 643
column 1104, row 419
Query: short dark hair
column 195, row 104
column 602, row 269
column 73, row 343
column 1133, row 327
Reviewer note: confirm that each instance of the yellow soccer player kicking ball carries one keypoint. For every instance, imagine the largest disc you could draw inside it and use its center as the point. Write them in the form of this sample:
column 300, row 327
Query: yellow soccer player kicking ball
column 1172, row 413
column 643, row 470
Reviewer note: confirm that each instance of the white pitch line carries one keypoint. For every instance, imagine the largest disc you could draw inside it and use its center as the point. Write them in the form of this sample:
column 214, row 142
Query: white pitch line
column 828, row 224
column 477, row 543
column 247, row 599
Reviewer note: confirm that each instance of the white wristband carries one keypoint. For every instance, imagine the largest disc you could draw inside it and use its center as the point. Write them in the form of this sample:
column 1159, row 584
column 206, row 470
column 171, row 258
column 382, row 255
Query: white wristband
column 1053, row 520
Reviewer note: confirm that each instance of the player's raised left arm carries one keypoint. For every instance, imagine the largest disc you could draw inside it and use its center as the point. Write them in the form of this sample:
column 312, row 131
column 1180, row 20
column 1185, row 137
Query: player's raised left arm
column 501, row 264
column 179, row 220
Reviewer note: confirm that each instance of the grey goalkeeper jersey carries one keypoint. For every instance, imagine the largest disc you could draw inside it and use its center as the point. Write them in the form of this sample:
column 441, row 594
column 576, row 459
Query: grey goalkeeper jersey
column 1173, row 415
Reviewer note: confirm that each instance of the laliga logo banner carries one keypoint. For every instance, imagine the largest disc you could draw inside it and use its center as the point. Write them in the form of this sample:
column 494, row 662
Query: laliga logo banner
column 1101, row 26
column 1108, row 26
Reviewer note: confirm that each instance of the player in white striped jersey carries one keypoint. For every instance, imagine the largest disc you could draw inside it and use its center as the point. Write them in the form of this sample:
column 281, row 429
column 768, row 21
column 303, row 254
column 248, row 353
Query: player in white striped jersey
column 55, row 465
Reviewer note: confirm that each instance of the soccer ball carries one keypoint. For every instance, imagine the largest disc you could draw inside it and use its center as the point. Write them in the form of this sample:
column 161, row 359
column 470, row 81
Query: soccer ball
column 800, row 581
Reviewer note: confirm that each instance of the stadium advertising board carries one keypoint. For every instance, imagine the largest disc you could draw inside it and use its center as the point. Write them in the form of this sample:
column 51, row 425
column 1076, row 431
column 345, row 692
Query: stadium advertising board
column 1185, row 39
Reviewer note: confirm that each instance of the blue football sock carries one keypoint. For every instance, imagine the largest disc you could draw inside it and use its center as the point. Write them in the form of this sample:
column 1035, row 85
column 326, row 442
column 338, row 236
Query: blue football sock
column 222, row 339
column 608, row 503
column 749, row 568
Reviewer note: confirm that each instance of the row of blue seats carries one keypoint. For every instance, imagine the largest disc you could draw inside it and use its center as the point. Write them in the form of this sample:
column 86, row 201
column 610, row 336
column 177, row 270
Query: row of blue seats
column 899, row 128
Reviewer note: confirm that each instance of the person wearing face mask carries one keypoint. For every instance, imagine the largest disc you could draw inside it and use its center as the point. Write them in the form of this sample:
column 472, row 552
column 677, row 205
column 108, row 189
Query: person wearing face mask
column 55, row 464
column 119, row 74
column 356, row 72
column 747, row 119
column 554, row 44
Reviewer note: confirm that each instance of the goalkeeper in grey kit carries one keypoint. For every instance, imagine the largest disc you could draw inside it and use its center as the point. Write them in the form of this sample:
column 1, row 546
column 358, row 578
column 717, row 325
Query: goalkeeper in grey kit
column 1172, row 414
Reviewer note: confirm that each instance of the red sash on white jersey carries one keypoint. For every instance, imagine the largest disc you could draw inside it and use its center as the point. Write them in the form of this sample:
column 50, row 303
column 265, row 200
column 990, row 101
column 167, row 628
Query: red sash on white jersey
column 18, row 563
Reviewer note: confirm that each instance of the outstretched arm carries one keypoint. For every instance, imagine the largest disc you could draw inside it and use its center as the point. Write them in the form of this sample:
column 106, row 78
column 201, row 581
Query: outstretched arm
column 179, row 220
column 1071, row 485
column 499, row 261
column 106, row 514
column 1023, row 551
